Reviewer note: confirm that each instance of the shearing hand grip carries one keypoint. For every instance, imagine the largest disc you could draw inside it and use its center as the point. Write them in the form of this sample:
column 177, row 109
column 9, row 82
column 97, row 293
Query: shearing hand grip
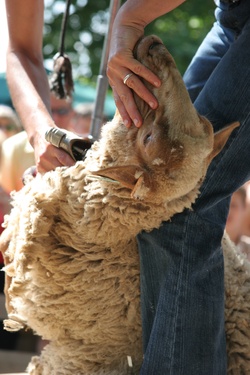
column 75, row 146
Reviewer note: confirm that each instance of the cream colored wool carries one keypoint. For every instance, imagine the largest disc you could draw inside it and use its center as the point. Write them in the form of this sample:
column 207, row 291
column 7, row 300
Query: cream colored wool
column 71, row 256
column 82, row 296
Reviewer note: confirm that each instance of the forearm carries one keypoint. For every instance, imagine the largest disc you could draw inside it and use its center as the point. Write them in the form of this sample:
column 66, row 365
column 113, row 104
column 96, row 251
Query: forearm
column 142, row 12
column 28, row 81
column 29, row 90
column 131, row 20
column 26, row 76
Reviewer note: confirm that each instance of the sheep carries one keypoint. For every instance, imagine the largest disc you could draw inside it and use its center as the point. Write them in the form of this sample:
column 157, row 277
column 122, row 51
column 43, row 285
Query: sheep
column 237, row 308
column 72, row 267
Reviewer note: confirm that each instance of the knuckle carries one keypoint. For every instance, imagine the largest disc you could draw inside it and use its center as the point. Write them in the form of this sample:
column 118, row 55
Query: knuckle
column 108, row 71
column 127, row 98
column 138, row 70
column 117, row 100
column 131, row 82
column 123, row 98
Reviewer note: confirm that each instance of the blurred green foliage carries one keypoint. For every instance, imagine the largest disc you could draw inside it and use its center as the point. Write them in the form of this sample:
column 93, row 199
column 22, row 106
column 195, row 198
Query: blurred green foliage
column 182, row 30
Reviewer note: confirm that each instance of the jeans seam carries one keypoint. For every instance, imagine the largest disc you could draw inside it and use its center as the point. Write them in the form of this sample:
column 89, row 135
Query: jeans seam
column 178, row 295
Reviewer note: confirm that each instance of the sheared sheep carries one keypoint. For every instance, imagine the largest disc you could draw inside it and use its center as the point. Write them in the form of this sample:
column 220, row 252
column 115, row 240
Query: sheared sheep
column 69, row 244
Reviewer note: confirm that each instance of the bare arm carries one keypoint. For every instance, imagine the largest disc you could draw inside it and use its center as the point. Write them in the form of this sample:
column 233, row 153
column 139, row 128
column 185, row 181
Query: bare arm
column 128, row 27
column 28, row 81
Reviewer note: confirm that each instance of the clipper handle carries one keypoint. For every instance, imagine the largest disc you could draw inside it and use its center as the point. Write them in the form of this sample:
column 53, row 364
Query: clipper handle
column 75, row 146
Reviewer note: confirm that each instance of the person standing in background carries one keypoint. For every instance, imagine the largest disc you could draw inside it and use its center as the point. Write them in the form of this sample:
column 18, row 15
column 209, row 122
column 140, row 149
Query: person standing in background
column 83, row 117
column 9, row 126
column 9, row 122
column 18, row 154
column 236, row 221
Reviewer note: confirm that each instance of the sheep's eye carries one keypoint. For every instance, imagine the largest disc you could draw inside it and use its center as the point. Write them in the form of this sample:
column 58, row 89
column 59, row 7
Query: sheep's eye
column 148, row 138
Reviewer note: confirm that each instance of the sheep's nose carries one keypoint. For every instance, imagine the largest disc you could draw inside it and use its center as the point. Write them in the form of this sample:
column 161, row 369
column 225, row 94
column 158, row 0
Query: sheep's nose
column 153, row 45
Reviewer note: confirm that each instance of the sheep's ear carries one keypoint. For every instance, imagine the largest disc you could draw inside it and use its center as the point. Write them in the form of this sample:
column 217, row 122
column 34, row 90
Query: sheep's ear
column 126, row 175
column 142, row 187
column 220, row 139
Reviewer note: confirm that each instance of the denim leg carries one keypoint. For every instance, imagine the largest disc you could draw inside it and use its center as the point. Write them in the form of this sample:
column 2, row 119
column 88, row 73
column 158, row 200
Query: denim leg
column 187, row 335
column 182, row 280
column 206, row 59
column 230, row 19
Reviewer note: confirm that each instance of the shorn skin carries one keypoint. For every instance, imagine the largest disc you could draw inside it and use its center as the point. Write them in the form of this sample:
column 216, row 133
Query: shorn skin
column 72, row 267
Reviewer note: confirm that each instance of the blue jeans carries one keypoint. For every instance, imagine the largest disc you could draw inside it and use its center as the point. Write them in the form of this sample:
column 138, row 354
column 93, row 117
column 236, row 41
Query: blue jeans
column 182, row 273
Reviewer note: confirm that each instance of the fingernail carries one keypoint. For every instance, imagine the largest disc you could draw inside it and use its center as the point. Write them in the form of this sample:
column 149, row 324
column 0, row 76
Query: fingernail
column 136, row 122
column 152, row 105
column 157, row 83
column 126, row 123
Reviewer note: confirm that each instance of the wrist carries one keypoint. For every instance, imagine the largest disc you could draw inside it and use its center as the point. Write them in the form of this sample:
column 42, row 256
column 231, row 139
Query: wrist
column 36, row 135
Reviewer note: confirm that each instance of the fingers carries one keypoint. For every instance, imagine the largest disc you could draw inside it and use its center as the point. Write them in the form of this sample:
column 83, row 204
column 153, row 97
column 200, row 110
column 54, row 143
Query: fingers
column 127, row 107
column 125, row 78
column 50, row 157
column 48, row 161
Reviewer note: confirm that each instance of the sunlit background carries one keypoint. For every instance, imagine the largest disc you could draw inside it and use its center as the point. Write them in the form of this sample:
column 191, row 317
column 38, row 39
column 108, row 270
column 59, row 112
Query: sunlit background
column 181, row 30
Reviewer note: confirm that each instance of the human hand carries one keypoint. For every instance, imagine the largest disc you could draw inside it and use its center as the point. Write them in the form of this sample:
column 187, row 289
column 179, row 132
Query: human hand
column 48, row 157
column 125, row 72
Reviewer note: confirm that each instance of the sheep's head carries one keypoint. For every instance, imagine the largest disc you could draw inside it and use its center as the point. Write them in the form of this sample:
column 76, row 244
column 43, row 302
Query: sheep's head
column 169, row 155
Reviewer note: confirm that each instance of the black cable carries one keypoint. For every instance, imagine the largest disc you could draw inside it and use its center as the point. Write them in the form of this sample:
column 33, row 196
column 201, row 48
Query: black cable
column 63, row 27
column 61, row 81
